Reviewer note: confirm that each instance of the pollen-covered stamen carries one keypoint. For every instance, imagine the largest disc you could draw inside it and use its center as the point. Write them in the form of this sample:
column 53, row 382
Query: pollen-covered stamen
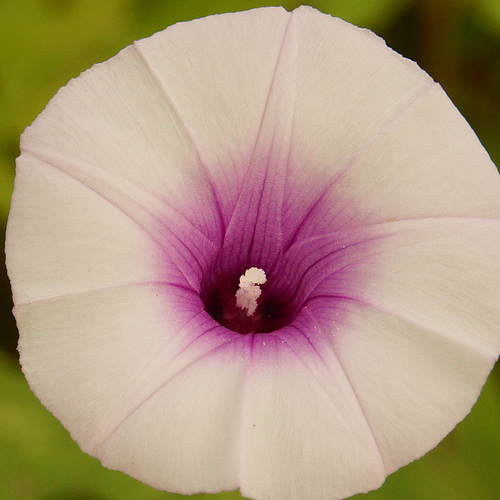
column 249, row 291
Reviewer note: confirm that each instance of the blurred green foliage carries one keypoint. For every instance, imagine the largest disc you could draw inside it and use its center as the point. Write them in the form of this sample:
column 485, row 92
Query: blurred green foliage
column 44, row 43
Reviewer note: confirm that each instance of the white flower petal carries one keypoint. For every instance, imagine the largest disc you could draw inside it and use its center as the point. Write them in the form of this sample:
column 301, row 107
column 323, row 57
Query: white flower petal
column 53, row 217
column 350, row 85
column 419, row 333
column 217, row 72
column 371, row 126
column 106, row 361
column 296, row 389
column 427, row 163
column 441, row 274
column 185, row 437
column 115, row 117
column 414, row 386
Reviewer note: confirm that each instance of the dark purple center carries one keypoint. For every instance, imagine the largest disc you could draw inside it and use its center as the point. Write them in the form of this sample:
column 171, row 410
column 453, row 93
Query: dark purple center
column 274, row 311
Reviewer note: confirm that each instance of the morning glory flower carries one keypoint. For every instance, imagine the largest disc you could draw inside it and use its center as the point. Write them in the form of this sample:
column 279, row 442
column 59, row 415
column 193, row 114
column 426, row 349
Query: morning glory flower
column 259, row 251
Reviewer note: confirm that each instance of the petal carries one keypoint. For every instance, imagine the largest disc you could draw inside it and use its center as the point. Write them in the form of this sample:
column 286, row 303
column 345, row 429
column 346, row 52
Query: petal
column 220, row 90
column 81, row 352
column 380, row 139
column 446, row 170
column 64, row 238
column 114, row 232
column 414, row 385
column 184, row 438
column 122, row 125
column 417, row 336
column 440, row 274
column 299, row 390
column 146, row 358
column 351, row 85
column 164, row 121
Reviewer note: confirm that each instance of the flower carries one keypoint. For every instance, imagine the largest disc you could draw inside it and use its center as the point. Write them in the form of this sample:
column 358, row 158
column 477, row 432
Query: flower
column 256, row 250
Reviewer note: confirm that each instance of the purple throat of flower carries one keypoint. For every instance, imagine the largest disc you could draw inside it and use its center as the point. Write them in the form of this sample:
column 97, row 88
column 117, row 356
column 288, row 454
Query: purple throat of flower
column 244, row 309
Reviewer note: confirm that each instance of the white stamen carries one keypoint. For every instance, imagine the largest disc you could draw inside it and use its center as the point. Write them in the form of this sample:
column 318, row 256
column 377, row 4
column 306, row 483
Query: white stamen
column 249, row 291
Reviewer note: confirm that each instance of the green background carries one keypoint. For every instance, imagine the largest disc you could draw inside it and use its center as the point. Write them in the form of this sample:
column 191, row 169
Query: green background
column 44, row 43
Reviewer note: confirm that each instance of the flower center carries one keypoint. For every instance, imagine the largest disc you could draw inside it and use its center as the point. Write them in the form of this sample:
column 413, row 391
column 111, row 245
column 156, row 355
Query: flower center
column 239, row 304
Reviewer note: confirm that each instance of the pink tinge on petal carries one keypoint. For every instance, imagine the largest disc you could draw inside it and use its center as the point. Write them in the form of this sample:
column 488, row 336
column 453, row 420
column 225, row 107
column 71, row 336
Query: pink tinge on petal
column 294, row 145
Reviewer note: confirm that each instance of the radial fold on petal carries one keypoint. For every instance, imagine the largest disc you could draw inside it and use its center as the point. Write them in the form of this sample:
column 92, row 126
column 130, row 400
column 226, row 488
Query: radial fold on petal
column 254, row 233
column 63, row 238
column 414, row 385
